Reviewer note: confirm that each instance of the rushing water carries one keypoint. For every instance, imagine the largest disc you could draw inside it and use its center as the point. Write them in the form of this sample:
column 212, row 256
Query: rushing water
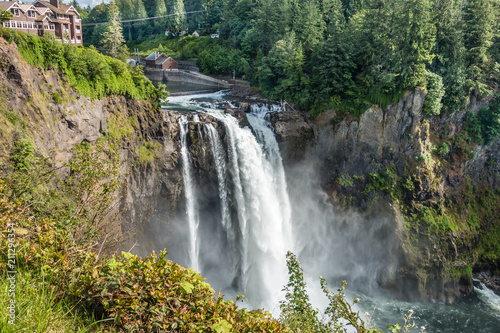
column 191, row 211
column 261, row 213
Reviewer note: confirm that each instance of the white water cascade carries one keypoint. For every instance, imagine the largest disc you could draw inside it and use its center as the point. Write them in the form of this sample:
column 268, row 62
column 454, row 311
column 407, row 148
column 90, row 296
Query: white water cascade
column 255, row 212
column 191, row 210
column 220, row 165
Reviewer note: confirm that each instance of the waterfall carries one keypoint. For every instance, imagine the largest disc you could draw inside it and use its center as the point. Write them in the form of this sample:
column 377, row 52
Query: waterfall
column 263, row 225
column 260, row 122
column 220, row 167
column 254, row 208
column 191, row 210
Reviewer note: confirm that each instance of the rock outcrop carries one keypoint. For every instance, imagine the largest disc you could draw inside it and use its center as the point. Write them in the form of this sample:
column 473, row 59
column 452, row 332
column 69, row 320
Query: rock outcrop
column 400, row 142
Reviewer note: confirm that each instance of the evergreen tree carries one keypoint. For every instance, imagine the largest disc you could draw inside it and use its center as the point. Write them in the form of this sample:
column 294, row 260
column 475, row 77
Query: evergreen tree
column 311, row 25
column 480, row 19
column 160, row 10
column 450, row 52
column 127, row 12
column 270, row 25
column 113, row 37
column 140, row 12
column 373, row 32
column 333, row 15
column 175, row 22
column 416, row 36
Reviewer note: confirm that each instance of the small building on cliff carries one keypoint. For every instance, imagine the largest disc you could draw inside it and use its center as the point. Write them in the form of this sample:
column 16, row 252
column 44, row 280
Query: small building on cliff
column 161, row 61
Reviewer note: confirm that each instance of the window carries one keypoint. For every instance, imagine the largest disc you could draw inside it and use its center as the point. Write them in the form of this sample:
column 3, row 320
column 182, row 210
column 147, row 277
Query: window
column 19, row 25
column 31, row 13
column 52, row 27
column 25, row 25
column 77, row 29
column 6, row 24
column 46, row 26
column 14, row 11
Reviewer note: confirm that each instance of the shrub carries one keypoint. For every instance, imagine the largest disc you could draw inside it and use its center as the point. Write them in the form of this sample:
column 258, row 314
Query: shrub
column 89, row 72
column 435, row 92
column 485, row 127
column 56, row 97
column 442, row 150
column 148, row 152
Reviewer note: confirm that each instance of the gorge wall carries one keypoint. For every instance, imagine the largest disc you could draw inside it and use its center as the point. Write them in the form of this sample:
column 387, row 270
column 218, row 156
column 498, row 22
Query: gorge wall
column 388, row 159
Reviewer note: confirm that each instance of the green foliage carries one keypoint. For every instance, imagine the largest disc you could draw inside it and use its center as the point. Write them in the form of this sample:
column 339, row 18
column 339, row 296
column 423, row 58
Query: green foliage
column 473, row 126
column 485, row 127
column 435, row 92
column 438, row 222
column 384, row 181
column 39, row 308
column 148, row 152
column 91, row 73
column 298, row 313
column 112, row 38
column 296, row 310
column 94, row 182
column 120, row 126
column 442, row 150
column 460, row 271
column 220, row 60
column 57, row 97
column 5, row 15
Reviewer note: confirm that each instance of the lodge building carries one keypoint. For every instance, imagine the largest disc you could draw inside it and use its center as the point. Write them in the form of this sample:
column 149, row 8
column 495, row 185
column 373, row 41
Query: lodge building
column 41, row 17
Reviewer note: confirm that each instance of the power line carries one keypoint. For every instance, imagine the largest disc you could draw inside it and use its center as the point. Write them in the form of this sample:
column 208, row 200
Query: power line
column 146, row 18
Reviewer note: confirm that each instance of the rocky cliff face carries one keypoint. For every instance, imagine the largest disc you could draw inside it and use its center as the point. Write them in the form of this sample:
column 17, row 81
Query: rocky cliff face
column 392, row 154
column 30, row 111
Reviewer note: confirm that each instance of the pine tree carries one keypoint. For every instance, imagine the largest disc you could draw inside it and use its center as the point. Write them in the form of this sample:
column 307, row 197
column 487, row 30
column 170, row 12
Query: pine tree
column 113, row 37
column 160, row 10
column 450, row 51
column 416, row 36
column 140, row 12
column 333, row 15
column 127, row 12
column 311, row 25
column 480, row 22
column 175, row 22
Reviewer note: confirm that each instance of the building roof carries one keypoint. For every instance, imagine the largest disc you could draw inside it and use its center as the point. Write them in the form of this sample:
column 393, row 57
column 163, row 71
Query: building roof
column 27, row 6
column 62, row 9
column 40, row 17
column 5, row 5
column 161, row 61
column 152, row 56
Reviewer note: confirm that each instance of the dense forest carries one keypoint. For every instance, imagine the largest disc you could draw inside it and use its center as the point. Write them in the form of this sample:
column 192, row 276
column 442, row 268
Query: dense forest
column 343, row 54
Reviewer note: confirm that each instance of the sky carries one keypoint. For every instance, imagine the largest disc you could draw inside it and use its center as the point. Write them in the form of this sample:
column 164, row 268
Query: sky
column 92, row 3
